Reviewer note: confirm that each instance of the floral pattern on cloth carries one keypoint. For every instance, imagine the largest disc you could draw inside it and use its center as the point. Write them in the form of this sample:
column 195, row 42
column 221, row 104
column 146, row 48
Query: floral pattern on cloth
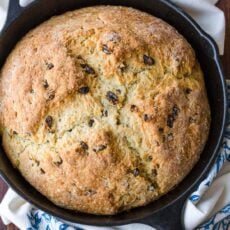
column 42, row 221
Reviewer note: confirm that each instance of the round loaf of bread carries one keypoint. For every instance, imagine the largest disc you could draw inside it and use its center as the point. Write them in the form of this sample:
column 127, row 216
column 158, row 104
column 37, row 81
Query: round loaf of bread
column 103, row 109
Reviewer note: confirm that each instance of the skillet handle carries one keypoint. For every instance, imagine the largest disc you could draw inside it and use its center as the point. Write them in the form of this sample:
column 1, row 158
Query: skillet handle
column 170, row 218
column 14, row 10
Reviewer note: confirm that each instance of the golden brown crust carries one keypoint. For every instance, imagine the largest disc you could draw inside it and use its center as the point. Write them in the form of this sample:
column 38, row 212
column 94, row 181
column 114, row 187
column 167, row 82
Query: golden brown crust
column 103, row 109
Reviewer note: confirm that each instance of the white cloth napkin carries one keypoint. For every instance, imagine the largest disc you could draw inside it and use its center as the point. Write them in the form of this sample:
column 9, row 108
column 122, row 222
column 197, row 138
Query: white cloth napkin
column 210, row 200
column 3, row 12
column 208, row 16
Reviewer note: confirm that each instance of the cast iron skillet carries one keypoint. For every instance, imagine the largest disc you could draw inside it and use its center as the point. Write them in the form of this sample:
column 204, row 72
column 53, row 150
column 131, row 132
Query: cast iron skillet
column 164, row 213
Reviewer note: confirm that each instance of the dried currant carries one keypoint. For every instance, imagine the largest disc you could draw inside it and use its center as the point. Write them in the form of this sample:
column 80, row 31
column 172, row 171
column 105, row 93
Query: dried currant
column 136, row 172
column 83, row 90
column 45, row 84
column 188, row 90
column 133, row 108
column 90, row 123
column 161, row 130
column 88, row 69
column 49, row 121
column 50, row 66
column 112, row 97
column 170, row 121
column 146, row 117
column 150, row 158
column 172, row 116
column 148, row 60
column 175, row 111
column 104, row 113
column 106, row 49
column 51, row 96
column 59, row 162
column 84, row 146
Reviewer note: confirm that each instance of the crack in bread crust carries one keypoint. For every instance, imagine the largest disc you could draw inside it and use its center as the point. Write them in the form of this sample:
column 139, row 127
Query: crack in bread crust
column 103, row 109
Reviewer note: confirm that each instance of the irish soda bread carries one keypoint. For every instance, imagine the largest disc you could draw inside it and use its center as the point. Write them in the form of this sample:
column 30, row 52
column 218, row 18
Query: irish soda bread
column 103, row 109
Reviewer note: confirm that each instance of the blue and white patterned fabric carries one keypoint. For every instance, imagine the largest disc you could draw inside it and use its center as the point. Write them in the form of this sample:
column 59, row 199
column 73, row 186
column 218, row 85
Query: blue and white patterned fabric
column 40, row 220
column 220, row 221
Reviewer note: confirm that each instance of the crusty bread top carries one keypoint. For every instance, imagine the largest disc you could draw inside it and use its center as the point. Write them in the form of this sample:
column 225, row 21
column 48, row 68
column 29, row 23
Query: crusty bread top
column 103, row 108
